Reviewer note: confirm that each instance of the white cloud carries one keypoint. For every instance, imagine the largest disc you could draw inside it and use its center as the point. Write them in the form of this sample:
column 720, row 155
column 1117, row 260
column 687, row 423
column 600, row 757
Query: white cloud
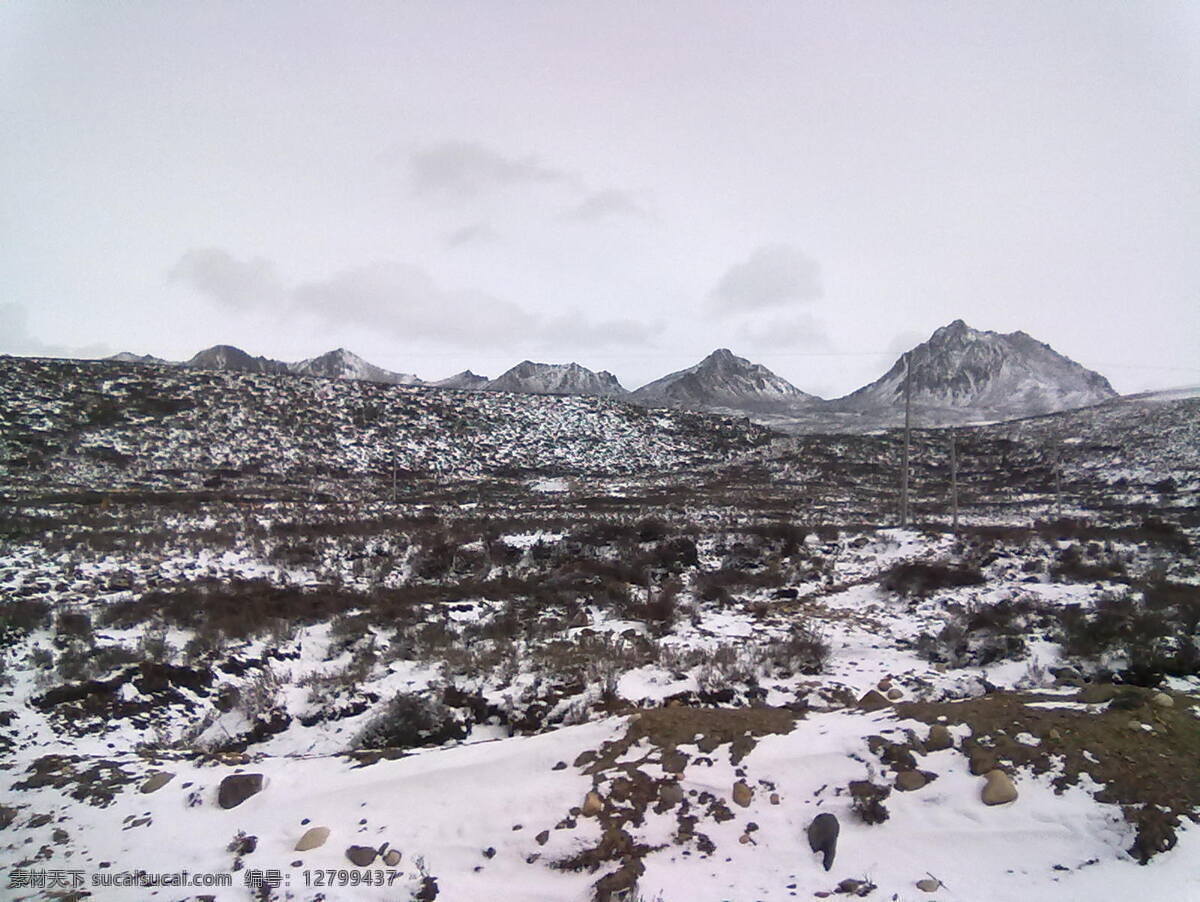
column 467, row 169
column 403, row 301
column 609, row 204
column 233, row 283
column 773, row 275
column 798, row 333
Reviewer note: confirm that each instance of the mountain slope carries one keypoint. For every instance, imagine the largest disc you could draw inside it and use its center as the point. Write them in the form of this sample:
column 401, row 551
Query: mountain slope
column 464, row 380
column 722, row 380
column 227, row 357
column 986, row 374
column 144, row 359
column 343, row 364
column 532, row 378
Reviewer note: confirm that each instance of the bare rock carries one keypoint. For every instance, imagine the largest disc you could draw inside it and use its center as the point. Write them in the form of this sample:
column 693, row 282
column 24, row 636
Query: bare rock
column 999, row 789
column 894, row 695
column 929, row 885
column 670, row 793
column 361, row 856
column 593, row 804
column 873, row 701
column 1162, row 700
column 392, row 857
column 909, row 780
column 742, row 794
column 236, row 788
column 939, row 738
column 313, row 838
column 982, row 761
column 157, row 781
column 823, row 836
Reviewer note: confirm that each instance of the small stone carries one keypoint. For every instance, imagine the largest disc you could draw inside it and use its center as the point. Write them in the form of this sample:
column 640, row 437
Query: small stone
column 561, row 765
column 543, row 837
column 313, row 838
column 909, row 780
column 929, row 885
column 742, row 794
column 670, row 793
column 895, row 694
column 157, row 781
column 298, row 863
column 774, row 798
column 884, row 685
column 489, row 852
column 593, row 804
column 392, row 857
column 939, row 738
column 1054, row 735
column 361, row 856
column 999, row 788
column 744, row 838
column 873, row 701
column 236, row 788
column 982, row 761
column 1162, row 700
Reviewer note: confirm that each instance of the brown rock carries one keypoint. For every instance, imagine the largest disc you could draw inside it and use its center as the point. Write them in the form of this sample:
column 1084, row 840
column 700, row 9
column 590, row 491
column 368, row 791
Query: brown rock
column 313, row 838
column 909, row 780
column 593, row 804
column 999, row 789
column 361, row 856
column 1162, row 700
column 774, row 798
column 895, row 695
column 929, row 885
column 236, row 788
column 742, row 794
column 542, row 838
column 939, row 738
column 157, row 781
column 982, row 761
column 670, row 793
column 873, row 701
column 392, row 857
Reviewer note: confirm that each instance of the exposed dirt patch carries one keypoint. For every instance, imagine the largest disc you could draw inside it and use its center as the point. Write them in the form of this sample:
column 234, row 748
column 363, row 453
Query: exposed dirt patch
column 1146, row 755
column 623, row 792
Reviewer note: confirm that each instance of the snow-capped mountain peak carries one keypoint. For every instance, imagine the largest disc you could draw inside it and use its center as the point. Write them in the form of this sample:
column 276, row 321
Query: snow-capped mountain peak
column 995, row 374
column 724, row 380
column 556, row 379
column 343, row 364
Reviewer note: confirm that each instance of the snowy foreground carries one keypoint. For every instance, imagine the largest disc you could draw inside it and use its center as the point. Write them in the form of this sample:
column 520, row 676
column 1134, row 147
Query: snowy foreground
column 447, row 810
column 331, row 641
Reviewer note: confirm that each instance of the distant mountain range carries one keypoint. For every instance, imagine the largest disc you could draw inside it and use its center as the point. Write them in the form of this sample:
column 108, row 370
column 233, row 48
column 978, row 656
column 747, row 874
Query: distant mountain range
column 959, row 375
column 723, row 381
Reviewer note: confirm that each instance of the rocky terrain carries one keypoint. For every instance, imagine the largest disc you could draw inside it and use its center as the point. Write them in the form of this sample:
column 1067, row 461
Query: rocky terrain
column 347, row 640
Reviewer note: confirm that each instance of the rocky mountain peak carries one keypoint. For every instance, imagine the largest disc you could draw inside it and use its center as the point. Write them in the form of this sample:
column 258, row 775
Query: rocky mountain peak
column 998, row 375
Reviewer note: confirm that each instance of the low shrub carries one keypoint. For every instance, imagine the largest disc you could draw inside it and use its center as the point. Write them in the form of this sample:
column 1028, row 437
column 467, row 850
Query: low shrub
column 408, row 720
column 920, row 578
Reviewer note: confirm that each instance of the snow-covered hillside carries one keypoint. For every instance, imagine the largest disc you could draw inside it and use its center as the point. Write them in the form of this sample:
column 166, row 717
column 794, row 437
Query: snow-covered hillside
column 343, row 364
column 724, row 381
column 991, row 375
column 528, row 377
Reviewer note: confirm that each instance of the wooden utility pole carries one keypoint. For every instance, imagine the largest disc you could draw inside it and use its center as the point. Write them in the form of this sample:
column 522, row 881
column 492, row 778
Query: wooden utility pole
column 1057, row 461
column 953, row 484
column 907, row 430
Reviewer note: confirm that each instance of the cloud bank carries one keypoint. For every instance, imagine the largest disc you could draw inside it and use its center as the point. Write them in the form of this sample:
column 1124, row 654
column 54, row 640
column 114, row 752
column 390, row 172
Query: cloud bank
column 401, row 300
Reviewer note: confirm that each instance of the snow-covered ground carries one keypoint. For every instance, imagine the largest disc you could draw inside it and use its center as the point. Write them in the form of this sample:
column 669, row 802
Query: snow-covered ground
column 587, row 651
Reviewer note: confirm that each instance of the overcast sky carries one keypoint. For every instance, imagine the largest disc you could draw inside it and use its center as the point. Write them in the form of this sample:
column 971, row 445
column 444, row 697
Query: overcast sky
column 443, row 185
